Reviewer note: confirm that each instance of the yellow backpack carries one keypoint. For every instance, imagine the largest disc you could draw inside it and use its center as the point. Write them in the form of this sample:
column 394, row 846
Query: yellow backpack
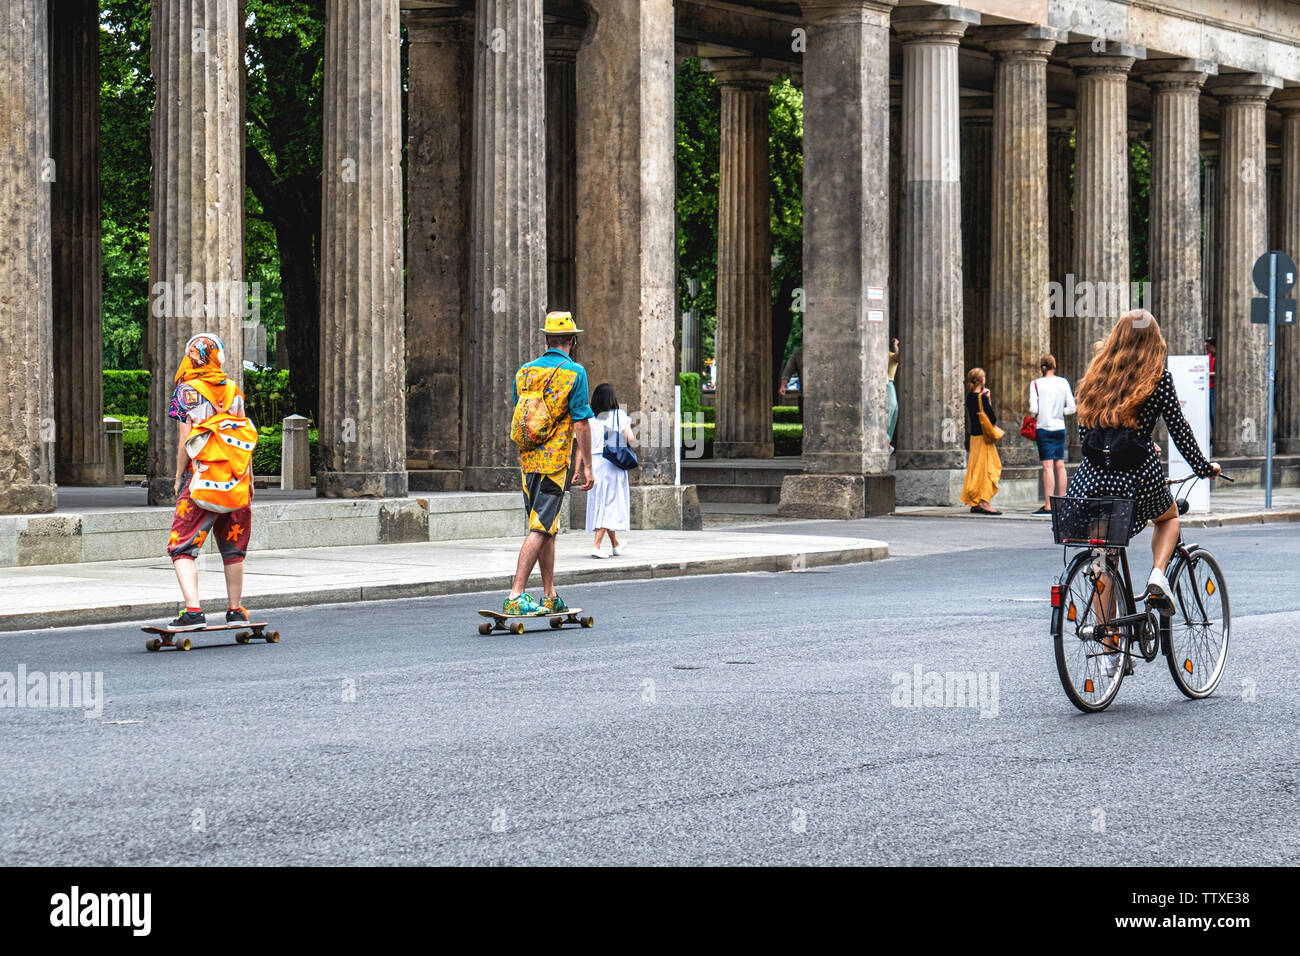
column 532, row 424
column 221, row 454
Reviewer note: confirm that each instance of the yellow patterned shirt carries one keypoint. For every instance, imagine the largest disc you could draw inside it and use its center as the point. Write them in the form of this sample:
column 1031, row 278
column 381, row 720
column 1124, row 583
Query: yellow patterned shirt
column 566, row 397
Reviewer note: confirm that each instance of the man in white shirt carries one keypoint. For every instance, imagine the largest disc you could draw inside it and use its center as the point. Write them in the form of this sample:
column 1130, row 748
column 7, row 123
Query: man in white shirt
column 1050, row 400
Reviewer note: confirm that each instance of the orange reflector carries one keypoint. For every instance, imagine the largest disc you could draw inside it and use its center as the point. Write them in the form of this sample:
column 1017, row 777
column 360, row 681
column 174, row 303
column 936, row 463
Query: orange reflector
column 1101, row 585
column 1187, row 665
column 1071, row 615
column 1087, row 685
column 1209, row 587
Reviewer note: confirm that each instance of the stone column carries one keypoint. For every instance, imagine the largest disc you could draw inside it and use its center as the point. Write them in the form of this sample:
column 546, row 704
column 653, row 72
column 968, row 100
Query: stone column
column 1101, row 198
column 1175, row 219
column 562, row 42
column 1060, row 228
column 77, row 257
column 363, row 408
column 26, row 376
column 1287, row 427
column 744, row 330
column 1019, row 327
column 1209, row 234
column 507, row 231
column 930, row 278
column 976, row 200
column 196, row 223
column 626, row 251
column 1240, row 427
column 846, row 262
column 440, row 44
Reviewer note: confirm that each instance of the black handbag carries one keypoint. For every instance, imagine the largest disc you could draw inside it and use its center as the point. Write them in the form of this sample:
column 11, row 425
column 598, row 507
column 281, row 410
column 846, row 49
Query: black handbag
column 620, row 456
column 1116, row 449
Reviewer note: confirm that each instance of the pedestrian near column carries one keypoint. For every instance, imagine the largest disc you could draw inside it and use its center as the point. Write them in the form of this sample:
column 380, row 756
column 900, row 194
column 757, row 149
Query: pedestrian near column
column 983, row 464
column 609, row 501
column 892, row 394
column 551, row 415
column 1126, row 390
column 1210, row 350
column 1050, row 400
column 793, row 369
column 209, row 413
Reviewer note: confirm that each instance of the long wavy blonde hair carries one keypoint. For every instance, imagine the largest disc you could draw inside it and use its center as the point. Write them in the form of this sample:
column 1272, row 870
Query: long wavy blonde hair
column 1123, row 373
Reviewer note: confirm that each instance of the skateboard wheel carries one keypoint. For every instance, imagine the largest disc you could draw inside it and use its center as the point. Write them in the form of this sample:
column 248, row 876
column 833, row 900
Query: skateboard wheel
column 183, row 643
column 273, row 637
column 153, row 644
column 556, row 621
column 485, row 628
column 517, row 627
column 588, row 622
column 241, row 637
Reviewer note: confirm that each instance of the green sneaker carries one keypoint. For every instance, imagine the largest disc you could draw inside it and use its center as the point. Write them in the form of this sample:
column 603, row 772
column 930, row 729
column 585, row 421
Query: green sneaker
column 555, row 605
column 524, row 605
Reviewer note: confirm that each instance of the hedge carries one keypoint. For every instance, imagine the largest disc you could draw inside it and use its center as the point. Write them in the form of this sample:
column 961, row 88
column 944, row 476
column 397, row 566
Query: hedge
column 787, row 437
column 126, row 392
column 269, row 399
column 690, row 382
column 266, row 456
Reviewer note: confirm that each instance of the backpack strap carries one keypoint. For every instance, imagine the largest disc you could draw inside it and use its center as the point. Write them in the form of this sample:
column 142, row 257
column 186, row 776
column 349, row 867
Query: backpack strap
column 222, row 402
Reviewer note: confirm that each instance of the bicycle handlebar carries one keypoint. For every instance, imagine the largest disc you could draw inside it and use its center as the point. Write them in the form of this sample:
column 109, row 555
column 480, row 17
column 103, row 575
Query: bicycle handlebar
column 1179, row 481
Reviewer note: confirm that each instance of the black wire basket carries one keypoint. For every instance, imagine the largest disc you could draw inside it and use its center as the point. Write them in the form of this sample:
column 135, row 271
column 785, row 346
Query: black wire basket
column 1092, row 522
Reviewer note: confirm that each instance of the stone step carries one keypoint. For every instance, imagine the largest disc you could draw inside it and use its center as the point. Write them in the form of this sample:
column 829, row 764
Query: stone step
column 740, row 471
column 740, row 493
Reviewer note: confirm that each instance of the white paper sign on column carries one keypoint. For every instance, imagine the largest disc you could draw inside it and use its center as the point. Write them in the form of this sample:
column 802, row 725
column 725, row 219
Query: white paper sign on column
column 1191, row 374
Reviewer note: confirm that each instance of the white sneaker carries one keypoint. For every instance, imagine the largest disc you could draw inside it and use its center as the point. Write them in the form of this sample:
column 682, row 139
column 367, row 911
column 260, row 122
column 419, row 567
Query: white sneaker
column 1158, row 590
column 597, row 553
column 617, row 549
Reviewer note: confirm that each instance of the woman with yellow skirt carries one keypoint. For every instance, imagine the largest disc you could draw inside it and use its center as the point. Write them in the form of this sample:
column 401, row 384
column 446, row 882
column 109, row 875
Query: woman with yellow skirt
column 984, row 465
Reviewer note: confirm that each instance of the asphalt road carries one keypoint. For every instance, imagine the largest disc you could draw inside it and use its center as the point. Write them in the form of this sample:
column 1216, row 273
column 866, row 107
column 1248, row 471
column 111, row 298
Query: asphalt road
column 740, row 719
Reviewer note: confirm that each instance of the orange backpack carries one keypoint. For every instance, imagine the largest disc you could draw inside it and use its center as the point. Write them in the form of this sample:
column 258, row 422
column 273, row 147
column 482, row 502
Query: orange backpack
column 221, row 454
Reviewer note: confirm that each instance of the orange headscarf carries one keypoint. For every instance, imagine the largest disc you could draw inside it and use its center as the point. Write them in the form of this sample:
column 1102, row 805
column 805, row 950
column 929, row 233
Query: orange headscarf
column 210, row 351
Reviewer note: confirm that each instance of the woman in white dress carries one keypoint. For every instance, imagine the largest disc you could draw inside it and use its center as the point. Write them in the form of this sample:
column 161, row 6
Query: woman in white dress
column 608, row 500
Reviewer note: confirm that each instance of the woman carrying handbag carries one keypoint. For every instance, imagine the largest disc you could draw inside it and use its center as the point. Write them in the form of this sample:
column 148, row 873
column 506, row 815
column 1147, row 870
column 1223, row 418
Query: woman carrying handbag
column 608, row 501
column 983, row 465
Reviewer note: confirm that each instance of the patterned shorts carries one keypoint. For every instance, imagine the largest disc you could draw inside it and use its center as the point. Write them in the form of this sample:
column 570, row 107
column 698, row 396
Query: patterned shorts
column 191, row 526
column 543, row 496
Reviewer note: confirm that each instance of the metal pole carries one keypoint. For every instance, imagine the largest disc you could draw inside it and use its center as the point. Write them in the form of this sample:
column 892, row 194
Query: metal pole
column 1272, row 335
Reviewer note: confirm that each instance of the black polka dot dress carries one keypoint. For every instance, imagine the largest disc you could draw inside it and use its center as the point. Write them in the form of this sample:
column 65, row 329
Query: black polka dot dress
column 1145, row 484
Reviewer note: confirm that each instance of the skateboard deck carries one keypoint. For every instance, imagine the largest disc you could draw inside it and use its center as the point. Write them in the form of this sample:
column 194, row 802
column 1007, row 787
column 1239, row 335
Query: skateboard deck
column 514, row 623
column 180, row 640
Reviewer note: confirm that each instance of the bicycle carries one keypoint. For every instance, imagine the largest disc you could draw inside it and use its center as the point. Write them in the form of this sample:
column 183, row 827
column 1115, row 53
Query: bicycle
column 1095, row 621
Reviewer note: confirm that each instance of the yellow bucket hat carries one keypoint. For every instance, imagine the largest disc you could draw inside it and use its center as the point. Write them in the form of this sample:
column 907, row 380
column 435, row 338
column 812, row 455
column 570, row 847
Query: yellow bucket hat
column 560, row 323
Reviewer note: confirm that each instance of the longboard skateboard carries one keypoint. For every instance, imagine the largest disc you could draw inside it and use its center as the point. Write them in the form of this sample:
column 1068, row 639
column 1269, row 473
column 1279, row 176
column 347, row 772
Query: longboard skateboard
column 180, row 640
column 514, row 623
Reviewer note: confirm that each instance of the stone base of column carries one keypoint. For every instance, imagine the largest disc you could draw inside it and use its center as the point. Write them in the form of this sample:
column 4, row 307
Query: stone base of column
column 160, row 492
column 435, row 479
column 1014, row 450
column 931, row 458
column 744, row 449
column 80, row 474
column 836, row 496
column 27, row 499
column 929, row 486
column 361, row 484
column 484, row 478
column 1288, row 446
column 664, row 508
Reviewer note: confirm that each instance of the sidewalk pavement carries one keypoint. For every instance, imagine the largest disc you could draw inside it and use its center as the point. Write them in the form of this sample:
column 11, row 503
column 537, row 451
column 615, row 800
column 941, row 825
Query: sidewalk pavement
column 1228, row 506
column 145, row 589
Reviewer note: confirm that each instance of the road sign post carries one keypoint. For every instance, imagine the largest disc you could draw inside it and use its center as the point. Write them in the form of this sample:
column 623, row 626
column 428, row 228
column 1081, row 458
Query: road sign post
column 1274, row 274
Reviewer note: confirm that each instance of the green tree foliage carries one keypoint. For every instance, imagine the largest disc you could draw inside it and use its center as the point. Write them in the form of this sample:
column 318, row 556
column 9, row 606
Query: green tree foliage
column 1140, row 199
column 786, row 163
column 699, row 107
column 126, row 95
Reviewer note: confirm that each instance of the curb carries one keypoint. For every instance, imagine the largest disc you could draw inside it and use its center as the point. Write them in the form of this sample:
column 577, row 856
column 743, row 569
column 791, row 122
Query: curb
column 351, row 594
column 1277, row 516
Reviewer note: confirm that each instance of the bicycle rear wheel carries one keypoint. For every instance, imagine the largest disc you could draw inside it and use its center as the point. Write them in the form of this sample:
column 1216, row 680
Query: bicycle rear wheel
column 1196, row 635
column 1092, row 595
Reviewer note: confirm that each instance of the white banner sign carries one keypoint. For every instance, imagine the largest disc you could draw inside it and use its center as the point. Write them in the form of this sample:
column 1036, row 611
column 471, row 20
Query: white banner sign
column 1191, row 374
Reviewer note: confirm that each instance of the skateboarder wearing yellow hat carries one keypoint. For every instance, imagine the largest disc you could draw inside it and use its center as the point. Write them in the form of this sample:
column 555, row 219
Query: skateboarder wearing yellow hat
column 551, row 410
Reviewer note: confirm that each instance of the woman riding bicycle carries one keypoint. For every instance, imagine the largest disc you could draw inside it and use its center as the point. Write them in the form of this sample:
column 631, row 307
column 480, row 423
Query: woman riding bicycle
column 1125, row 390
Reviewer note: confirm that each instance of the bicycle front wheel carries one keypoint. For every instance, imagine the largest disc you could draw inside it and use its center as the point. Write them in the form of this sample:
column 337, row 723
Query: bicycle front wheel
column 1090, row 656
column 1196, row 635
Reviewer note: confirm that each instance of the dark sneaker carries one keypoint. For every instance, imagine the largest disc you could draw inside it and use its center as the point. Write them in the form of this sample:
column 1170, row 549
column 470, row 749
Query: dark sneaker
column 237, row 615
column 188, row 621
column 555, row 605
column 522, row 606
